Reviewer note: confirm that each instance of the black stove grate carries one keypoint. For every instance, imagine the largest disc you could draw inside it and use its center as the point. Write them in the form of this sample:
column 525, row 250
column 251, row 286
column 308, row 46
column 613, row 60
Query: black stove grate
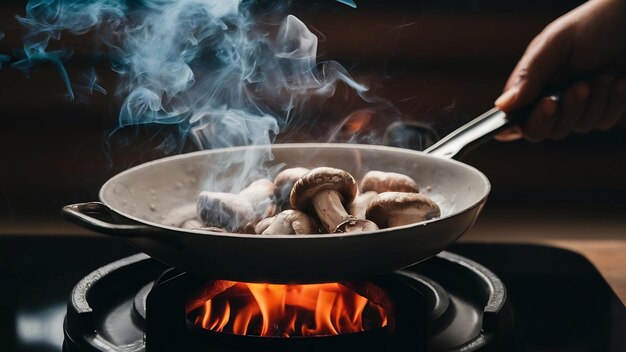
column 446, row 303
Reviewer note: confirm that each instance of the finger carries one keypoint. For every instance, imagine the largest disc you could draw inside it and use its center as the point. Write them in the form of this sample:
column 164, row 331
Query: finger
column 598, row 99
column 571, row 109
column 541, row 121
column 538, row 65
column 616, row 106
column 510, row 134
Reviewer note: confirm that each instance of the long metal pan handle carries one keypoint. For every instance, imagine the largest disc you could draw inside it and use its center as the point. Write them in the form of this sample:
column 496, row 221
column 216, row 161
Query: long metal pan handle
column 83, row 214
column 480, row 130
column 472, row 134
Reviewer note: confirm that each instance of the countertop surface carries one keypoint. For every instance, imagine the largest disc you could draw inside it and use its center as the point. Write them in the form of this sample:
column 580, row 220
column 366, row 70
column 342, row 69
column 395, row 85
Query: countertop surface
column 600, row 238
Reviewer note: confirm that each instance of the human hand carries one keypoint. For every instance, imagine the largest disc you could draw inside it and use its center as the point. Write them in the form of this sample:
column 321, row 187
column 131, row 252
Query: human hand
column 587, row 44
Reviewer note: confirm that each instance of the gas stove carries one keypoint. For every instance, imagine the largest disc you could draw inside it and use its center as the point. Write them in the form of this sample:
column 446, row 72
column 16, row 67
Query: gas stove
column 95, row 294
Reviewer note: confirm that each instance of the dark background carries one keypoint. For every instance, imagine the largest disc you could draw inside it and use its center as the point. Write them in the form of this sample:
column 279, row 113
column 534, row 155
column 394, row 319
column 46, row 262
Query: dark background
column 440, row 62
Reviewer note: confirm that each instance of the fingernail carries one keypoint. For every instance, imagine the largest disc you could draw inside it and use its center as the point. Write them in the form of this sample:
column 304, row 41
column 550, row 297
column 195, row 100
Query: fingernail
column 548, row 106
column 507, row 98
column 582, row 91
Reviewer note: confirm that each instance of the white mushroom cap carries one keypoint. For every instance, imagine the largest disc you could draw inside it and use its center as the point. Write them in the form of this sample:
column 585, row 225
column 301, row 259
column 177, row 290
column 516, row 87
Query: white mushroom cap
column 229, row 211
column 379, row 181
column 320, row 179
column 390, row 209
column 284, row 182
column 327, row 191
column 260, row 194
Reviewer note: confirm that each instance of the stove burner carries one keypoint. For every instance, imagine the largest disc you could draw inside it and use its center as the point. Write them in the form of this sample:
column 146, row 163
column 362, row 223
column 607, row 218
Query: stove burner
column 136, row 304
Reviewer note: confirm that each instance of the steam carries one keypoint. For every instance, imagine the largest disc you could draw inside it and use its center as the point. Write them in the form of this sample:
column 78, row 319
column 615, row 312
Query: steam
column 3, row 58
column 205, row 66
column 348, row 2
column 46, row 20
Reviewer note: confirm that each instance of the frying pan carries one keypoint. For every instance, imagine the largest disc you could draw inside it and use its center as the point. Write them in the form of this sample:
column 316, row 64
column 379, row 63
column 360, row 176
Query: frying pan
column 138, row 198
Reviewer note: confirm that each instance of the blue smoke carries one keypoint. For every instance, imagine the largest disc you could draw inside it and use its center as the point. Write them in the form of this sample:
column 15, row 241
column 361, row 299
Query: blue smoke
column 348, row 2
column 205, row 66
column 47, row 20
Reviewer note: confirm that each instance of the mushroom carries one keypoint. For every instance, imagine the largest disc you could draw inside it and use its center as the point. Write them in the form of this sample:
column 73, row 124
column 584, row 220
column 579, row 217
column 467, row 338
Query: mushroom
column 327, row 190
column 228, row 211
column 380, row 181
column 390, row 209
column 260, row 194
column 290, row 222
column 356, row 225
column 263, row 224
column 284, row 181
column 360, row 203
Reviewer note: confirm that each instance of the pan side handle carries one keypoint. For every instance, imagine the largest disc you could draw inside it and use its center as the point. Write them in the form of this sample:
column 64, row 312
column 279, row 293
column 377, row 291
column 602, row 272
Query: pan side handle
column 472, row 134
column 84, row 214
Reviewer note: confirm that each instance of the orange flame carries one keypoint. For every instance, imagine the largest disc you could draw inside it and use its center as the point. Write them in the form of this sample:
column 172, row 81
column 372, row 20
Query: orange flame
column 285, row 310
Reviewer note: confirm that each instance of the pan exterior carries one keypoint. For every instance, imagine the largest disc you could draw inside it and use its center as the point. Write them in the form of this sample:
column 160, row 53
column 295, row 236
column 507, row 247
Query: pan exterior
column 146, row 193
column 308, row 260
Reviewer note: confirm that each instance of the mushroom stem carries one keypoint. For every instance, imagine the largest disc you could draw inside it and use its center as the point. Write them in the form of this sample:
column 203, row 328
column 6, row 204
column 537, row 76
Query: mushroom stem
column 328, row 207
column 290, row 222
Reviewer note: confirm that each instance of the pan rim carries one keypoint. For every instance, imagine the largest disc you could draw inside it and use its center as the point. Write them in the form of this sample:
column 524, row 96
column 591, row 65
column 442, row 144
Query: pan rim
column 102, row 197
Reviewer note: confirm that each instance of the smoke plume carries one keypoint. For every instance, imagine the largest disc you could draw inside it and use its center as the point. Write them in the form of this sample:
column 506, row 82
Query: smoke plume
column 221, row 76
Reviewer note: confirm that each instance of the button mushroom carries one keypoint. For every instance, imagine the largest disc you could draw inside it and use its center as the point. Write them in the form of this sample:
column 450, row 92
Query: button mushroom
column 260, row 194
column 327, row 190
column 379, row 181
column 263, row 224
column 390, row 209
column 292, row 222
column 284, row 181
column 229, row 211
column 360, row 203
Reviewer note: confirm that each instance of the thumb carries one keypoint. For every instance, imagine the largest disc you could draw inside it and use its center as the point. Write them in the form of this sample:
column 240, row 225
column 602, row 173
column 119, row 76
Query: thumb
column 534, row 71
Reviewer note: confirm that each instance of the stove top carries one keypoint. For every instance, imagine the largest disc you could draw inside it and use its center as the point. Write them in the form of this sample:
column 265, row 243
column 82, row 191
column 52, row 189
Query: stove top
column 560, row 302
column 448, row 303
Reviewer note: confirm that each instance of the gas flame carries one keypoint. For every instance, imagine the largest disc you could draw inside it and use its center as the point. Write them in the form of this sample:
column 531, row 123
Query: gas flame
column 285, row 310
